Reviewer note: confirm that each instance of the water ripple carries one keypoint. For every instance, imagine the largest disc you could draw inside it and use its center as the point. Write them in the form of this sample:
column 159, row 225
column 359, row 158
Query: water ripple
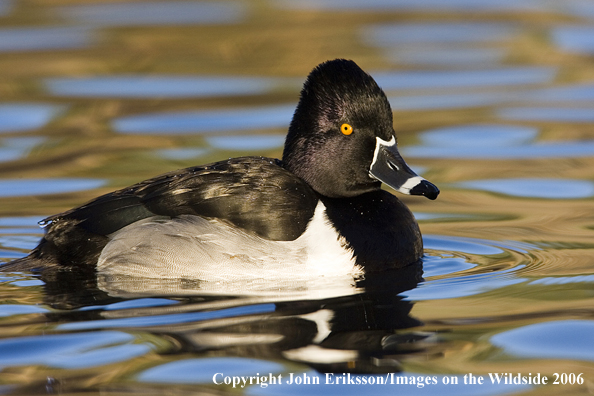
column 160, row 86
column 12, row 149
column 44, row 38
column 426, row 79
column 447, row 101
column 568, row 93
column 11, row 309
column 71, row 350
column 454, row 56
column 563, row 280
column 412, row 5
column 578, row 39
column 493, row 142
column 26, row 116
column 5, row 7
column 196, row 371
column 186, row 153
column 563, row 339
column 534, row 188
column 454, row 32
column 459, row 267
column 155, row 13
column 246, row 143
column 207, row 121
column 31, row 187
column 162, row 320
column 548, row 114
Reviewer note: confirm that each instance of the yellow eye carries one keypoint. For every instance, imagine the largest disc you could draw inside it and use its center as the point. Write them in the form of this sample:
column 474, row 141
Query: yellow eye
column 346, row 129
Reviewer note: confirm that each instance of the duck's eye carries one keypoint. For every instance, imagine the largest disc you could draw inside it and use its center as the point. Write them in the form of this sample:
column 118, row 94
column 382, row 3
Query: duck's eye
column 346, row 129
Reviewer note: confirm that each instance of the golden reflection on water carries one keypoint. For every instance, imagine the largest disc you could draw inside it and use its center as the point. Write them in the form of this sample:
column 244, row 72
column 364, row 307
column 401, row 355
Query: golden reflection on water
column 283, row 42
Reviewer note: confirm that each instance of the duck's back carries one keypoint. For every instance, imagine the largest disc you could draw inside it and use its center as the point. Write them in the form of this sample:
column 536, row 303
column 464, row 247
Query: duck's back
column 254, row 193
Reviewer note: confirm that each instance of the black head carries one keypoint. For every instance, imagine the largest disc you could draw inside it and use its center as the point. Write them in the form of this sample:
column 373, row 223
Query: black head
column 341, row 140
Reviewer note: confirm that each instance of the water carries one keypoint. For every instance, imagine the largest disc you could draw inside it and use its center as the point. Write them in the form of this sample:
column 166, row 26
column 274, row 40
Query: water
column 493, row 103
column 44, row 38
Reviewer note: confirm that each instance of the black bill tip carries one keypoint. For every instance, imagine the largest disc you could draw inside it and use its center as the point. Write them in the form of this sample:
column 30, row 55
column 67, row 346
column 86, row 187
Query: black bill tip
column 426, row 189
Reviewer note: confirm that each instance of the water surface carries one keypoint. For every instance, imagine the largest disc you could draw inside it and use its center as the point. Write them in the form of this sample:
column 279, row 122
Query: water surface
column 154, row 13
column 492, row 101
column 44, row 38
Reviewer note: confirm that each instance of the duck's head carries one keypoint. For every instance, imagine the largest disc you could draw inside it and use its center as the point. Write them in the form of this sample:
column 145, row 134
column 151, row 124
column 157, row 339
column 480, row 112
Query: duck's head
column 341, row 140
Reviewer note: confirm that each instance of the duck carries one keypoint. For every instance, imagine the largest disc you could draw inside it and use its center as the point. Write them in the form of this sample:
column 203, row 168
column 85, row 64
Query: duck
column 320, row 211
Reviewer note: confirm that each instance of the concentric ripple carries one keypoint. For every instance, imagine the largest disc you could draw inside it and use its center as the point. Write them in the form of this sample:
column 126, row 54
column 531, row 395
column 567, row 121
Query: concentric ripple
column 459, row 267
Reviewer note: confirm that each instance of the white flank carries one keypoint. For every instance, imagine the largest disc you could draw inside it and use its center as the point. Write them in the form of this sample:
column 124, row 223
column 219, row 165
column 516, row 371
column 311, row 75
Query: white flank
column 326, row 249
column 225, row 259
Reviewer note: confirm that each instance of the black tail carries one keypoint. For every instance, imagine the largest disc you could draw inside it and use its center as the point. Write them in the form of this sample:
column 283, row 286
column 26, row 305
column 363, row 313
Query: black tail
column 26, row 264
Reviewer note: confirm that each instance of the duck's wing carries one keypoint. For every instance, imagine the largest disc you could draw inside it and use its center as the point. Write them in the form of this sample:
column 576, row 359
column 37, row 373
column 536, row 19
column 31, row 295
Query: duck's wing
column 254, row 193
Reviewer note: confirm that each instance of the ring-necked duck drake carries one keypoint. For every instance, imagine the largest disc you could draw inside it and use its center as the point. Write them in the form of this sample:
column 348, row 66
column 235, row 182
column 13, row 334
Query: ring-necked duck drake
column 319, row 211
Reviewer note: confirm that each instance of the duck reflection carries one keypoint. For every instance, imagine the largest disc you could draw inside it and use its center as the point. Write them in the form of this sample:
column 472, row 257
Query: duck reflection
column 353, row 332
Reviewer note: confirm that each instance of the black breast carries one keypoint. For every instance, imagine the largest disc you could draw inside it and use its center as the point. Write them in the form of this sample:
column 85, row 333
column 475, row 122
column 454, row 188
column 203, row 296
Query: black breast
column 381, row 230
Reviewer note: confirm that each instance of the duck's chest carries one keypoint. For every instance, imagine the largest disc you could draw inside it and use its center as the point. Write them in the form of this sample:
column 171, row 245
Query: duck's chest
column 381, row 231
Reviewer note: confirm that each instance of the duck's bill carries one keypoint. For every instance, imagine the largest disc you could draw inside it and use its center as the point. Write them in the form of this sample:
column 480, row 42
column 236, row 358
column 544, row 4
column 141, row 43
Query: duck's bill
column 389, row 168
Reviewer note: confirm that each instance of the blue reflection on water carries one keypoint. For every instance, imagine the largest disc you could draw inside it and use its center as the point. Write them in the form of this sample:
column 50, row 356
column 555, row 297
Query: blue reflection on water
column 25, row 221
column 445, row 44
column 455, row 32
column 464, row 78
column 554, row 114
column 461, row 286
column 432, row 5
column 12, row 149
column 454, row 56
column 445, row 216
column 580, row 8
column 207, row 121
column 447, row 101
column 18, row 233
column 534, row 188
column 11, row 309
column 5, row 7
column 36, row 39
column 458, row 244
column 456, row 255
column 247, row 143
column 27, row 187
column 70, row 350
column 25, row 242
column 493, row 142
column 563, row 280
column 155, row 13
column 160, row 320
column 182, row 153
column 578, row 93
column 478, row 135
column 160, row 86
column 578, row 39
column 140, row 303
column 440, row 266
column 564, row 339
column 25, row 116
column 147, row 302
column 536, row 150
column 196, row 371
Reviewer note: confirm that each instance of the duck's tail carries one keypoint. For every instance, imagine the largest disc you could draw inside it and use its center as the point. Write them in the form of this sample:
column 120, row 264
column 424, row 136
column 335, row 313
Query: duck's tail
column 24, row 264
